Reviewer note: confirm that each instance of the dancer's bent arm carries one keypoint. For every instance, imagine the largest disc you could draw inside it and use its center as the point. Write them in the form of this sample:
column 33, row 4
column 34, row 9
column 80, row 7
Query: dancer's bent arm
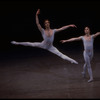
column 37, row 20
column 65, row 27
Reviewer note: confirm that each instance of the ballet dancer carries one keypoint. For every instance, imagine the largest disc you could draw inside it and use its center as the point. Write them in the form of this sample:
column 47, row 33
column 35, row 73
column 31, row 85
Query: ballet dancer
column 88, row 40
column 48, row 36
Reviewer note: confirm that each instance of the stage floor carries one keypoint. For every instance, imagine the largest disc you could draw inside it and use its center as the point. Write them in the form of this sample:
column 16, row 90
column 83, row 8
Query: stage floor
column 41, row 74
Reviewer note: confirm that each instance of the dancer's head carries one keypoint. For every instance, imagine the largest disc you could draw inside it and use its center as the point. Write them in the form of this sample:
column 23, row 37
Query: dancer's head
column 47, row 23
column 87, row 30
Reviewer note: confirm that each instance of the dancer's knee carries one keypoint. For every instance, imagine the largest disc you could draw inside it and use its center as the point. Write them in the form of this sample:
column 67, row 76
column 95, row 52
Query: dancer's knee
column 88, row 66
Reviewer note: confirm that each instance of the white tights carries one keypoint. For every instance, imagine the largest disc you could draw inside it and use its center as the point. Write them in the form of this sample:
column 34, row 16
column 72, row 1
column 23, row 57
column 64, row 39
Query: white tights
column 88, row 57
column 50, row 48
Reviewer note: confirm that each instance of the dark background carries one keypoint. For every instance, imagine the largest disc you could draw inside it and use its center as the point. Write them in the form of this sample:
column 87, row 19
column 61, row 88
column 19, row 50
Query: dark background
column 17, row 21
column 27, row 72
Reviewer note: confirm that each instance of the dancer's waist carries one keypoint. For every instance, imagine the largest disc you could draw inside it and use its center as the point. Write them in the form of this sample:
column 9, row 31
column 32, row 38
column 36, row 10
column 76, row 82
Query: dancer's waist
column 88, row 50
column 48, row 42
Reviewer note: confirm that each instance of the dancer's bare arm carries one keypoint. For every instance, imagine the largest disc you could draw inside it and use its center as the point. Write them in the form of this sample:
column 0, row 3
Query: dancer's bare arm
column 37, row 20
column 70, row 40
column 65, row 27
column 95, row 35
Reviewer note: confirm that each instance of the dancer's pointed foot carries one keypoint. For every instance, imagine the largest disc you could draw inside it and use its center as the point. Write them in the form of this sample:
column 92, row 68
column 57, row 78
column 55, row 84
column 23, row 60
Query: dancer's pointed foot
column 14, row 42
column 90, row 80
column 75, row 62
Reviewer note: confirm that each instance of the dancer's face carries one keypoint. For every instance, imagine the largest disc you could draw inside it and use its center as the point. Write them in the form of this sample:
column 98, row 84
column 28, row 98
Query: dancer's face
column 87, row 30
column 47, row 24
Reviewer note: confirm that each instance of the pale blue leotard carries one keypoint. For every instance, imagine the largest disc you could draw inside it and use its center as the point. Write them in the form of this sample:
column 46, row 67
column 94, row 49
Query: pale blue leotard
column 88, row 46
column 88, row 55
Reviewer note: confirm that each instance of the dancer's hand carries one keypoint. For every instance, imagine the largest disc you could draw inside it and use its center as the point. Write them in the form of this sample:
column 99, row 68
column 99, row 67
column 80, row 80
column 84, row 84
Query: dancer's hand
column 38, row 12
column 63, row 41
column 72, row 25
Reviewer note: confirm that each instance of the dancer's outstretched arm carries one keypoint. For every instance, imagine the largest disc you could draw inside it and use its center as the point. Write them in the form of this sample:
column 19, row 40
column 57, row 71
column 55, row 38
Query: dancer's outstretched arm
column 96, row 34
column 65, row 27
column 72, row 39
column 37, row 20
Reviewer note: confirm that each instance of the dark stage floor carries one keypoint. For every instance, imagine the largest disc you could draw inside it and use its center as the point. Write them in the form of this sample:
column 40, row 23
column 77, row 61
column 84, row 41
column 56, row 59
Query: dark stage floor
column 41, row 74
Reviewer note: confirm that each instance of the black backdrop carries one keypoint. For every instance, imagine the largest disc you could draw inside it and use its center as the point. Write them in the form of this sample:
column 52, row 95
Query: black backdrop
column 17, row 20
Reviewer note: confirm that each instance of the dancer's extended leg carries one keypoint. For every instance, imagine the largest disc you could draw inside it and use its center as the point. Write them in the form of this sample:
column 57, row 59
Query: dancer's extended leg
column 35, row 44
column 58, row 53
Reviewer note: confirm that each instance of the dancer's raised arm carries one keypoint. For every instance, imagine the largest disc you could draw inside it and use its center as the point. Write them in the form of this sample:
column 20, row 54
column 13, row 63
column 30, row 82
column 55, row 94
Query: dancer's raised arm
column 37, row 20
column 72, row 39
column 65, row 27
column 96, row 34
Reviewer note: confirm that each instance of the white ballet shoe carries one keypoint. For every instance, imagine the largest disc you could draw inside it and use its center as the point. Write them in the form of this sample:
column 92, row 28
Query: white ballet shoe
column 13, row 42
column 90, row 80
column 75, row 62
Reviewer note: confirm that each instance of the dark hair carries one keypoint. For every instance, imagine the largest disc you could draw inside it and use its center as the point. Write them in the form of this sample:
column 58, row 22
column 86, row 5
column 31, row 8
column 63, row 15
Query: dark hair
column 46, row 20
column 86, row 26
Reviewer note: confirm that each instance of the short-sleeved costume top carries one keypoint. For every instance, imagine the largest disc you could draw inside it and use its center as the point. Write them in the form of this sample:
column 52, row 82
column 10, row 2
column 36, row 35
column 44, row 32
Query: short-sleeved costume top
column 48, row 41
column 88, row 44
